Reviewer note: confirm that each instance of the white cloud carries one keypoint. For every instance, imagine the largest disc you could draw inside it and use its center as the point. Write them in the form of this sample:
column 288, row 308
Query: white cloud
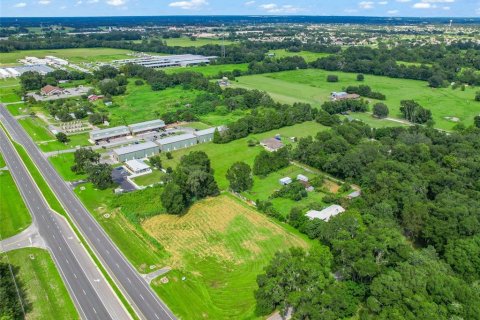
column 446, row 8
column 44, row 2
column 366, row 4
column 116, row 3
column 422, row 5
column 79, row 2
column 20, row 5
column 382, row 3
column 392, row 11
column 275, row 8
column 249, row 3
column 189, row 5
column 92, row 1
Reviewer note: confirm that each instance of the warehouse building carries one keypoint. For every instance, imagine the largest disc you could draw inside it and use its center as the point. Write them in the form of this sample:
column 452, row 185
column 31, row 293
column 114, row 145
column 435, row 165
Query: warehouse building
column 136, row 151
column 110, row 133
column 177, row 142
column 181, row 60
column 205, row 135
column 146, row 126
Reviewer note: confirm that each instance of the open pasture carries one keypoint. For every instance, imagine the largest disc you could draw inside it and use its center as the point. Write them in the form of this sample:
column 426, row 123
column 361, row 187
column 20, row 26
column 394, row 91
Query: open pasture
column 310, row 86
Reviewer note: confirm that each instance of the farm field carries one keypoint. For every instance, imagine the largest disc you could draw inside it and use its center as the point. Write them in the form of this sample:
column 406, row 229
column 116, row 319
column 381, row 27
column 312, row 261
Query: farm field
column 187, row 42
column 310, row 86
column 46, row 294
column 14, row 216
column 141, row 103
column 220, row 246
column 307, row 55
column 210, row 70
column 75, row 55
column 222, row 156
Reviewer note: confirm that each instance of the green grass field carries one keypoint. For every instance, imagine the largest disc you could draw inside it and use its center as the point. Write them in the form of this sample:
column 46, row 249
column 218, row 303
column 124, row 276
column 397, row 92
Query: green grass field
column 220, row 246
column 14, row 216
column 311, row 86
column 149, row 179
column 47, row 296
column 130, row 238
column 222, row 156
column 62, row 163
column 140, row 103
column 37, row 129
column 80, row 139
column 307, row 55
column 210, row 70
column 75, row 55
column 9, row 89
column 187, row 42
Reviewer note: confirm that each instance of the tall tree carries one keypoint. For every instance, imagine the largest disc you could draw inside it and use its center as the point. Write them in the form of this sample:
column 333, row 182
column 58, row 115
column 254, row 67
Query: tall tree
column 240, row 177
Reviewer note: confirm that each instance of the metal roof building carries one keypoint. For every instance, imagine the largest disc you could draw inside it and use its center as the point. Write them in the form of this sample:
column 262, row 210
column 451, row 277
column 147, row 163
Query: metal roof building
column 146, row 126
column 177, row 142
column 102, row 134
column 205, row 135
column 326, row 213
column 181, row 60
column 136, row 151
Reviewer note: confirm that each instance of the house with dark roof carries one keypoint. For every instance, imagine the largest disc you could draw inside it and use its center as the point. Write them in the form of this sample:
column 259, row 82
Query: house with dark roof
column 272, row 144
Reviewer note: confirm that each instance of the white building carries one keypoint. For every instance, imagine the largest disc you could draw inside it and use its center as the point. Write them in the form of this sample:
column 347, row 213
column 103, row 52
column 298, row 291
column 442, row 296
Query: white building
column 138, row 167
column 326, row 213
column 285, row 181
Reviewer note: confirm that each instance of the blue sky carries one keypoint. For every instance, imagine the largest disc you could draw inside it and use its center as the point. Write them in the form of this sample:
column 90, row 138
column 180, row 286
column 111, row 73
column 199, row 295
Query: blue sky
column 417, row 8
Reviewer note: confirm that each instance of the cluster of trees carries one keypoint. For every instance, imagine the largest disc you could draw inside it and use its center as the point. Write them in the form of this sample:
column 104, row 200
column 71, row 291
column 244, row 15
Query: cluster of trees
column 87, row 161
column 365, row 91
column 267, row 162
column 11, row 290
column 192, row 180
column 32, row 80
column 240, row 177
column 63, row 109
column 341, row 106
column 266, row 119
column 277, row 65
column 418, row 185
column 294, row 191
column 414, row 112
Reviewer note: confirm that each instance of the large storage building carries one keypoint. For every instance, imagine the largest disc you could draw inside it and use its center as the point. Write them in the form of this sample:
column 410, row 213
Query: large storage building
column 110, row 133
column 146, row 126
column 136, row 151
column 177, row 142
column 180, row 60
column 205, row 135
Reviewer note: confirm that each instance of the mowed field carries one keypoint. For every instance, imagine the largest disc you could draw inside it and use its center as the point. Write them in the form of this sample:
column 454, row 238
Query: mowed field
column 14, row 215
column 311, row 86
column 217, row 249
column 222, row 156
column 307, row 55
column 46, row 294
column 75, row 55
column 9, row 89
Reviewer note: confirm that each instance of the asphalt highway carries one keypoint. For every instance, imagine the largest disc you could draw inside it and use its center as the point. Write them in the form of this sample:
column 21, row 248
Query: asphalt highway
column 77, row 270
column 137, row 291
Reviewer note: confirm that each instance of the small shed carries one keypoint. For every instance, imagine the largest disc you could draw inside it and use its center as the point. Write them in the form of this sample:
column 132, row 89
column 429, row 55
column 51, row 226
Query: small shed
column 354, row 194
column 284, row 181
column 137, row 167
column 303, row 178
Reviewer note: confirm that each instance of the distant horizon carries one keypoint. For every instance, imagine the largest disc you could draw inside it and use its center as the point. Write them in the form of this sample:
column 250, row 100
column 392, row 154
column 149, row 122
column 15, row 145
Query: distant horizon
column 139, row 8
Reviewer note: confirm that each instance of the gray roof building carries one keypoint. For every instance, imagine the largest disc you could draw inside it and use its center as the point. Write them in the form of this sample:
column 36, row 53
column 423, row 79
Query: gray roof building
column 181, row 60
column 206, row 135
column 136, row 151
column 177, row 142
column 146, row 126
column 108, row 133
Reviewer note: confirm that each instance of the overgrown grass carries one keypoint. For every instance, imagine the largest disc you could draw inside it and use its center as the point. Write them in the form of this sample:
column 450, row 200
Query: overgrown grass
column 149, row 179
column 63, row 163
column 46, row 294
column 310, row 86
column 211, row 70
column 14, row 215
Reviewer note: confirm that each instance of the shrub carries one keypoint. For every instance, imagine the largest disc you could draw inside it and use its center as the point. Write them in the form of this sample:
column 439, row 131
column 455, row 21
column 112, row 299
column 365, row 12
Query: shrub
column 332, row 78
column 360, row 77
column 380, row 110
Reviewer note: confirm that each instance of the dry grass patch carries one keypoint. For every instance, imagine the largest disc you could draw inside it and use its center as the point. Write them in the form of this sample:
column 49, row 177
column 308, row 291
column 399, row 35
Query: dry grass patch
column 331, row 186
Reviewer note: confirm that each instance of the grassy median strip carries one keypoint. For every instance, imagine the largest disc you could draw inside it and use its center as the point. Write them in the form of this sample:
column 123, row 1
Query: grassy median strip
column 56, row 206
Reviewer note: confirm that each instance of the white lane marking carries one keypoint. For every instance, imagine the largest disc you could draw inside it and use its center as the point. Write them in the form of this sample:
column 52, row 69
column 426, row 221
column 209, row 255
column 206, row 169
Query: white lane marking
column 67, row 261
column 94, row 310
column 156, row 316
column 129, row 280
column 84, row 293
column 142, row 297
column 75, row 276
